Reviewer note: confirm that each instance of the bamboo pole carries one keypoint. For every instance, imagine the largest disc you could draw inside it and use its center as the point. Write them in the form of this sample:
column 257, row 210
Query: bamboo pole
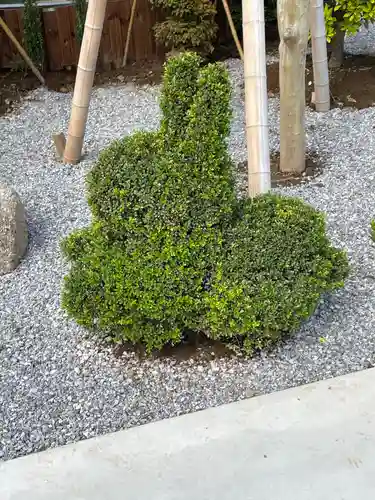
column 293, row 22
column 21, row 50
column 319, row 56
column 84, row 80
column 256, row 106
column 233, row 29
column 130, row 27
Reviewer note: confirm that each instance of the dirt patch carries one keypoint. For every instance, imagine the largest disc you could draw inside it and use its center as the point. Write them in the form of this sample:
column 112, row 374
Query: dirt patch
column 13, row 86
column 16, row 84
column 196, row 346
column 312, row 170
column 352, row 85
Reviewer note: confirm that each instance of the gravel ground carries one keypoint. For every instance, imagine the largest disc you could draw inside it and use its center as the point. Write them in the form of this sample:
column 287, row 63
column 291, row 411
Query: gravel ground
column 57, row 386
column 362, row 43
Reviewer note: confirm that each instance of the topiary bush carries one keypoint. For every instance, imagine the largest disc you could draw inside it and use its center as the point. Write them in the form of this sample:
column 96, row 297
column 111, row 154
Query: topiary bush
column 276, row 263
column 189, row 25
column 139, row 271
column 373, row 229
column 171, row 251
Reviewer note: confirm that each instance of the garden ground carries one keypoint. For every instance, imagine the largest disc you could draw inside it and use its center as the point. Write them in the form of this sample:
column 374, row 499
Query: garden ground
column 310, row 443
column 351, row 85
column 58, row 386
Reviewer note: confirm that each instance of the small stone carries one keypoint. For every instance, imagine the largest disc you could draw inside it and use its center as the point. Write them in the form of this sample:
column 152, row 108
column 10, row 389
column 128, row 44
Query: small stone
column 214, row 366
column 13, row 230
column 64, row 90
column 121, row 78
column 249, row 393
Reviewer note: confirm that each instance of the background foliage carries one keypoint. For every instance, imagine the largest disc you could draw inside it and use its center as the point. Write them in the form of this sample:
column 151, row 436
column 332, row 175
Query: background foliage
column 189, row 24
column 347, row 15
column 80, row 9
column 32, row 32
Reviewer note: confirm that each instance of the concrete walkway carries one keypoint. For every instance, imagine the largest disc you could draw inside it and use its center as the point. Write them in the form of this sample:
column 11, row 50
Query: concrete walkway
column 315, row 442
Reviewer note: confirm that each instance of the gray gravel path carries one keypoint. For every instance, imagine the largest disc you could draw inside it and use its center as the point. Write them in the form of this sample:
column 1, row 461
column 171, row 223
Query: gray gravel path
column 56, row 386
column 361, row 43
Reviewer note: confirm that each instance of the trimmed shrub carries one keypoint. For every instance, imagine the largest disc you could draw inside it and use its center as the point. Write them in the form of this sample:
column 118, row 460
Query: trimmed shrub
column 373, row 229
column 276, row 263
column 172, row 251
column 159, row 200
column 189, row 25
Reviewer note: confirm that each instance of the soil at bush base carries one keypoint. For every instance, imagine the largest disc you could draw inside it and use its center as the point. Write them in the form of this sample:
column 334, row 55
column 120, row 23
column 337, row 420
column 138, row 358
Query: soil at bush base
column 194, row 347
column 313, row 169
column 353, row 85
column 197, row 345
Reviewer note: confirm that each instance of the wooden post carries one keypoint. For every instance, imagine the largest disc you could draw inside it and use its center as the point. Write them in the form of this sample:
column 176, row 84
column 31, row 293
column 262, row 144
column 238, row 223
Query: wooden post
column 319, row 56
column 130, row 27
column 232, row 28
column 22, row 51
column 256, row 103
column 293, row 22
column 84, row 80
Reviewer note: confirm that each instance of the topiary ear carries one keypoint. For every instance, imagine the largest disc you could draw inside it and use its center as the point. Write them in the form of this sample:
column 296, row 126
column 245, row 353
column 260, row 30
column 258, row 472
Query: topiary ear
column 180, row 82
column 210, row 114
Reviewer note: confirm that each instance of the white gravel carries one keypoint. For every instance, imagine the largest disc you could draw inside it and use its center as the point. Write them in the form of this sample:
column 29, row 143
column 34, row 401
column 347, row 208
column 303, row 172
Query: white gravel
column 56, row 386
column 363, row 43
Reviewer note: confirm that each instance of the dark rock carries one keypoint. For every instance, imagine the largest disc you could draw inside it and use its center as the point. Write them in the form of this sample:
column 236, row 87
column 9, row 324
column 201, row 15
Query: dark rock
column 13, row 229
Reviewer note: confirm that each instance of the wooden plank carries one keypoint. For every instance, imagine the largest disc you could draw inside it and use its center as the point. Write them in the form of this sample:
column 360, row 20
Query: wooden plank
column 66, row 32
column 116, row 44
column 149, row 46
column 4, row 44
column 224, row 34
column 141, row 31
column 114, row 34
column 9, row 57
column 104, row 50
column 52, row 40
column 126, row 13
column 62, row 47
column 158, row 50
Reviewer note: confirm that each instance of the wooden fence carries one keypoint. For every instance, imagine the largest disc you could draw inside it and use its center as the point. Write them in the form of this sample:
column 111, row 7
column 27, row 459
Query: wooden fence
column 62, row 48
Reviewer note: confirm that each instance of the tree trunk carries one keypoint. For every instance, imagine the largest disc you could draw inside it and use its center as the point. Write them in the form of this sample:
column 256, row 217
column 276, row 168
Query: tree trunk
column 319, row 56
column 337, row 45
column 84, row 80
column 256, row 106
column 293, row 23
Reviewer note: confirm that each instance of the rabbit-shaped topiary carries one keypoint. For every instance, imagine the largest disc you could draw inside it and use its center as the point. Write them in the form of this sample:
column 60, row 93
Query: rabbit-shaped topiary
column 171, row 250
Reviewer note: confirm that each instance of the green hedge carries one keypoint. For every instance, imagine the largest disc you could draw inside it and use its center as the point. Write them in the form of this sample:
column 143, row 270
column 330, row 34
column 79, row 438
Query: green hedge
column 172, row 251
column 33, row 33
column 188, row 24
